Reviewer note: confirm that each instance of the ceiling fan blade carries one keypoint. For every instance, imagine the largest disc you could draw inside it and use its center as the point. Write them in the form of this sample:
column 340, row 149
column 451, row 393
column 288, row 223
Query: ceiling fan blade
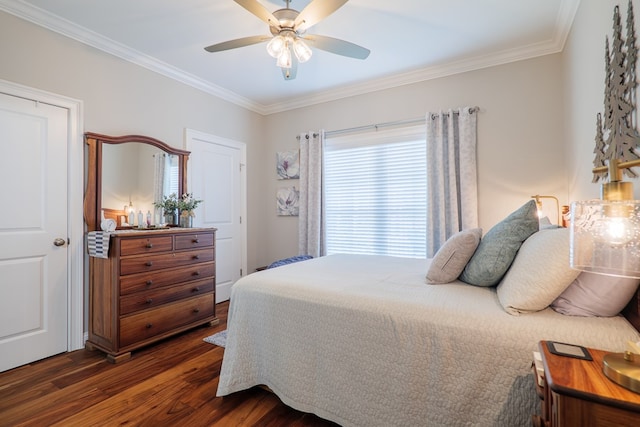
column 290, row 73
column 260, row 11
column 316, row 11
column 337, row 46
column 232, row 44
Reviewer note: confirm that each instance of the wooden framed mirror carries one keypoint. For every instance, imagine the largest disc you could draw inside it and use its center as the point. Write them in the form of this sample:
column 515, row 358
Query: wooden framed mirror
column 130, row 172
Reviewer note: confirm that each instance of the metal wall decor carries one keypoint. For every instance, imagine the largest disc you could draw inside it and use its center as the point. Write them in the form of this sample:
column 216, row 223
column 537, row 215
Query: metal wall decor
column 616, row 133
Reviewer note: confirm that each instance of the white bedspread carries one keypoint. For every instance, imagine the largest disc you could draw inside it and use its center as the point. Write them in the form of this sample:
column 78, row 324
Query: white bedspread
column 363, row 341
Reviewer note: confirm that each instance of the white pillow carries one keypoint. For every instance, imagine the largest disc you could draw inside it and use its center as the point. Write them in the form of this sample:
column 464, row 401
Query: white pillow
column 594, row 294
column 453, row 256
column 539, row 273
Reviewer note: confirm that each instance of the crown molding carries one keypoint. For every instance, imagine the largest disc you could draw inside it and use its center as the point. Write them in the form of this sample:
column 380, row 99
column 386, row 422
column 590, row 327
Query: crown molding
column 417, row 76
column 66, row 28
column 564, row 21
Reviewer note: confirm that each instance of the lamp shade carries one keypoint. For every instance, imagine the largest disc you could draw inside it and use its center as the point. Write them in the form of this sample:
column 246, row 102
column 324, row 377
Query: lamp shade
column 284, row 59
column 605, row 237
column 275, row 46
column 302, row 51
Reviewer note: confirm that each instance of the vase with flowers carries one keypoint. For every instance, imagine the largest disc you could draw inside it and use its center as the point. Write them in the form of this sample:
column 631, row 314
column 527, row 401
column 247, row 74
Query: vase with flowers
column 187, row 204
column 169, row 205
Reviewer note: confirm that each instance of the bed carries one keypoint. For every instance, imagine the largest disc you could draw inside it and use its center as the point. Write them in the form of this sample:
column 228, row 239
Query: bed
column 362, row 340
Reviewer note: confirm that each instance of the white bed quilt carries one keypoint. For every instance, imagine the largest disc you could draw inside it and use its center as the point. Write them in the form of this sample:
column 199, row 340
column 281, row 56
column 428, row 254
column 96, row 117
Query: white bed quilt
column 364, row 341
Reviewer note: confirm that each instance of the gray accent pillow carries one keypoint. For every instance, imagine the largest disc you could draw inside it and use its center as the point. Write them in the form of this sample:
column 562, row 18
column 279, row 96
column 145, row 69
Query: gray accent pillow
column 499, row 246
column 449, row 261
column 591, row 295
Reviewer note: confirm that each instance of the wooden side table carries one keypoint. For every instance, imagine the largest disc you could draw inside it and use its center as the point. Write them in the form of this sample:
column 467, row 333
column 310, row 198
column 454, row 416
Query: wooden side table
column 577, row 393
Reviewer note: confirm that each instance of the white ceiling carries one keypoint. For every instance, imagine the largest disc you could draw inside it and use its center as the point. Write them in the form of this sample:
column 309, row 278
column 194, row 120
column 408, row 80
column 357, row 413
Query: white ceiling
column 410, row 41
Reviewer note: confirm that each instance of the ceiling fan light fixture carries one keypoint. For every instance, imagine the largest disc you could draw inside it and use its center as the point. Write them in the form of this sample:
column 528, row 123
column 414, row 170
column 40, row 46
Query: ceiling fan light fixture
column 284, row 59
column 302, row 51
column 275, row 46
column 287, row 26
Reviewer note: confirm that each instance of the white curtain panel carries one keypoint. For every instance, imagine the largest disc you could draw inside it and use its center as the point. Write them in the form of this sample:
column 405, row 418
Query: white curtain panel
column 311, row 212
column 159, row 169
column 452, row 183
column 161, row 179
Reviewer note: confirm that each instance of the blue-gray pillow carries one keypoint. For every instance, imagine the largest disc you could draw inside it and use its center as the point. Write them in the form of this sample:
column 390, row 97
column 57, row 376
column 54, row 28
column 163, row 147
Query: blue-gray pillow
column 499, row 247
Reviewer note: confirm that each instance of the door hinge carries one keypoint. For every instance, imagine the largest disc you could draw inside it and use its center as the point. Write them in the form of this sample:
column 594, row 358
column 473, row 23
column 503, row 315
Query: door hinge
column 240, row 272
column 240, row 220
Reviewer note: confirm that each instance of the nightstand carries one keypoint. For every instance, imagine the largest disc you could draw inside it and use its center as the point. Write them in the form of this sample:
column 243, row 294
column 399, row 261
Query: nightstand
column 576, row 393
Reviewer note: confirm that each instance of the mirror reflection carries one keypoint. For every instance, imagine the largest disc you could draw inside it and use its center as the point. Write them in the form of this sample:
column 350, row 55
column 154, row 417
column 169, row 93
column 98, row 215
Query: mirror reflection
column 135, row 176
column 131, row 173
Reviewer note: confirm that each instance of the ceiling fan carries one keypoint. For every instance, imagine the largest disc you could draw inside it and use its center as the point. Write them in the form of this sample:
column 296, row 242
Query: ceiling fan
column 288, row 28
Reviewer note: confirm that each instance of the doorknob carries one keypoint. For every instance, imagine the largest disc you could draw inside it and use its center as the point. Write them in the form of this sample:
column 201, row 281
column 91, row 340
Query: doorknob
column 59, row 242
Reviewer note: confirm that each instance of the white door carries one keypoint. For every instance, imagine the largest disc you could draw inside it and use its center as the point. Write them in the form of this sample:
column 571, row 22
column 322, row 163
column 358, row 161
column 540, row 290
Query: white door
column 217, row 175
column 33, row 231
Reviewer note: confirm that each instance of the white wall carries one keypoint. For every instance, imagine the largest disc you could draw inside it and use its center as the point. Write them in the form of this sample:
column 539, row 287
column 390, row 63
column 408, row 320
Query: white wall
column 520, row 123
column 122, row 98
column 520, row 135
column 584, row 65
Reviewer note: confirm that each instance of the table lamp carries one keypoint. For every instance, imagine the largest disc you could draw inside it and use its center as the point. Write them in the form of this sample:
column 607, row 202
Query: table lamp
column 605, row 234
column 605, row 239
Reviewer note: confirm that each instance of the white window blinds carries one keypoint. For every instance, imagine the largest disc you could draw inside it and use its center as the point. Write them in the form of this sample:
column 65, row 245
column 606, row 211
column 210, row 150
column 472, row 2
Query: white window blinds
column 375, row 193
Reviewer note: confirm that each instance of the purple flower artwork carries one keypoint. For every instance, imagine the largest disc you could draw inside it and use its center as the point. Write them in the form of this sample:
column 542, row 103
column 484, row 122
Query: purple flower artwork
column 287, row 201
column 288, row 164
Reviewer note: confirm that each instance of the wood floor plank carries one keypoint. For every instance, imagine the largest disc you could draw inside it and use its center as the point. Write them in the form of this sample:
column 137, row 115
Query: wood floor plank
column 170, row 383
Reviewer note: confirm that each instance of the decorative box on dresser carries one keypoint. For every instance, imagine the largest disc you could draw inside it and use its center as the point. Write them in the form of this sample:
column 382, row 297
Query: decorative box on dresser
column 154, row 284
column 576, row 393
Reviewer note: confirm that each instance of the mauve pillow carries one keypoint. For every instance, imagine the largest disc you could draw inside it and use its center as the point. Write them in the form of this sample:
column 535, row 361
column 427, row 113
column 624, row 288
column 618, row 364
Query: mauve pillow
column 449, row 261
column 596, row 295
column 499, row 246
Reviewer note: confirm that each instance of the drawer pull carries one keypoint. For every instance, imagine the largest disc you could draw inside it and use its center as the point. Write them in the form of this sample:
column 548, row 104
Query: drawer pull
column 196, row 289
column 149, row 300
column 149, row 263
column 149, row 282
column 149, row 325
column 196, row 240
column 149, row 245
column 196, row 310
column 196, row 257
column 195, row 273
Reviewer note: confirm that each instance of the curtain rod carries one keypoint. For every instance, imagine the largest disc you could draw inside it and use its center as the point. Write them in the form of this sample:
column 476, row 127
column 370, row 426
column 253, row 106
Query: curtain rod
column 394, row 123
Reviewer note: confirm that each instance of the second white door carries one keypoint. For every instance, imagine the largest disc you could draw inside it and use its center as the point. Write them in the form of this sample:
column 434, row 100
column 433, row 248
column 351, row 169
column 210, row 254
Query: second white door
column 217, row 176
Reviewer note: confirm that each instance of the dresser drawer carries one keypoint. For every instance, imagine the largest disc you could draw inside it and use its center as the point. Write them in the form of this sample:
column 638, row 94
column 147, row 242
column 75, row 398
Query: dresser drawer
column 148, row 281
column 196, row 240
column 141, row 264
column 149, row 323
column 144, row 245
column 155, row 298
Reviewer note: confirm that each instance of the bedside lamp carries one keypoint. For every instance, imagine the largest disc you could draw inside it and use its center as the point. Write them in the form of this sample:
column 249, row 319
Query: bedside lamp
column 605, row 239
column 605, row 234
column 537, row 198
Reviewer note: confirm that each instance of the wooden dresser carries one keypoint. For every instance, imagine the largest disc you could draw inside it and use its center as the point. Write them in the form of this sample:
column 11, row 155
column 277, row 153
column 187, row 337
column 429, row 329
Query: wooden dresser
column 154, row 284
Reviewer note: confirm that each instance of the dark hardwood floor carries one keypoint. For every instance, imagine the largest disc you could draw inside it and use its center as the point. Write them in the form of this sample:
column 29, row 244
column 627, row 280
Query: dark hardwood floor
column 171, row 383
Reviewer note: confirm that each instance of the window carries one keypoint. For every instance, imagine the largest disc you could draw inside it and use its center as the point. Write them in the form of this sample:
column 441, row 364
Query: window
column 174, row 176
column 375, row 193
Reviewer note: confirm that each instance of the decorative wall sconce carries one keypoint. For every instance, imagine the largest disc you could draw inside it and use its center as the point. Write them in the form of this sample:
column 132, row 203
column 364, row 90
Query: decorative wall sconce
column 605, row 234
column 537, row 198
